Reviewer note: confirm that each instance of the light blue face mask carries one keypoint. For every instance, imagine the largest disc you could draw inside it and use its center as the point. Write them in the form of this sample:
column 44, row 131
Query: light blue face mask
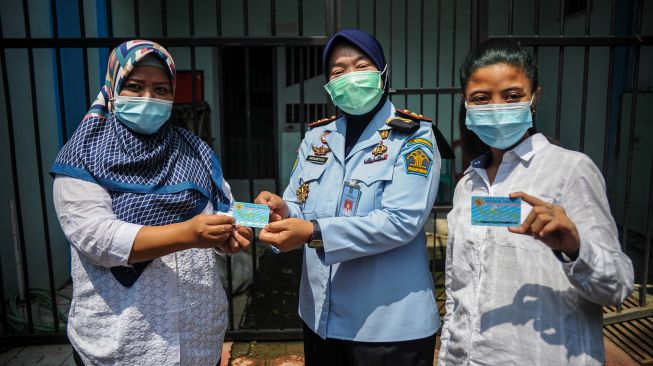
column 499, row 125
column 357, row 92
column 142, row 115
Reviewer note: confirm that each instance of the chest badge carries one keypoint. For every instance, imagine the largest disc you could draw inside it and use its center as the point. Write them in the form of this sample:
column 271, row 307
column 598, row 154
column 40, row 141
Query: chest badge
column 302, row 193
column 324, row 137
column 384, row 134
column 321, row 150
column 379, row 149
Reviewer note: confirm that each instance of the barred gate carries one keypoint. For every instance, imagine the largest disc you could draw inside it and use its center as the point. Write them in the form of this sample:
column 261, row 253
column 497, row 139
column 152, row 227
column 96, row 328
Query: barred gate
column 253, row 79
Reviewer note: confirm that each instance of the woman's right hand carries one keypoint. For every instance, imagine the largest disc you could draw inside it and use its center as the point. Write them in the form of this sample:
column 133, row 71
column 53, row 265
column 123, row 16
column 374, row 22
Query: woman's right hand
column 278, row 207
column 208, row 231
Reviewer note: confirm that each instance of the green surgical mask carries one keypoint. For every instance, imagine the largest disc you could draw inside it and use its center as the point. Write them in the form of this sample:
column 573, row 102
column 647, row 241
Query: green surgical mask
column 356, row 92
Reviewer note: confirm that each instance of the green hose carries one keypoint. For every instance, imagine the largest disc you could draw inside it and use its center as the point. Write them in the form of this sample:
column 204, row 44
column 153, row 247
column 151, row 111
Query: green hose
column 18, row 323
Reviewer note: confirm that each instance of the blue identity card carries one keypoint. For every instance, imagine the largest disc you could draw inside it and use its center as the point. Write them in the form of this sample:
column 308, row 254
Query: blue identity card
column 251, row 214
column 496, row 211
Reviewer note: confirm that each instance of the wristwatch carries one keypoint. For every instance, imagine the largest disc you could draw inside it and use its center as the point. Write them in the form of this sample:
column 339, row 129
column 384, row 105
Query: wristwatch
column 315, row 241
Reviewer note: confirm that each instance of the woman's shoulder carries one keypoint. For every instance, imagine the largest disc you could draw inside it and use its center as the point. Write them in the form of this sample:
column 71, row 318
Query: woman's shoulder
column 577, row 159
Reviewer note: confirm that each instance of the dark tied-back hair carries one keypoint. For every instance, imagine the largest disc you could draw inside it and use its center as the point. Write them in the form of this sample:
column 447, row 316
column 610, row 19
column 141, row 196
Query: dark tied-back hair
column 491, row 52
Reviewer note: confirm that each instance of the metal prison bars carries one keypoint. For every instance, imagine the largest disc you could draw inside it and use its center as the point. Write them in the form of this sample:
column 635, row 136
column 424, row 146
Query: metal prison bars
column 479, row 12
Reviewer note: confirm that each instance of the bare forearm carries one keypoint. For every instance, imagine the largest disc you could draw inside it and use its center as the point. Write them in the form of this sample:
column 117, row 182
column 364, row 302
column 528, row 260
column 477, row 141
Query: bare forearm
column 153, row 242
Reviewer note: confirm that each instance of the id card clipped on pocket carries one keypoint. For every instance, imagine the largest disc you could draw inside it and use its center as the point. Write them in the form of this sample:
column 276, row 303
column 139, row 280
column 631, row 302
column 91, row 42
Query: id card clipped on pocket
column 496, row 211
column 351, row 195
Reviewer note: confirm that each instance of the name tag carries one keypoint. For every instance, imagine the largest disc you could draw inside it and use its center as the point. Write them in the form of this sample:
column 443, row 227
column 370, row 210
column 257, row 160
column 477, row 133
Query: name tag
column 351, row 194
column 496, row 211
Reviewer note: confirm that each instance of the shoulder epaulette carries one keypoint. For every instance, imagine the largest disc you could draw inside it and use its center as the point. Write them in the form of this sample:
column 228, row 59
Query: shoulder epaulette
column 322, row 122
column 408, row 121
column 412, row 115
column 403, row 124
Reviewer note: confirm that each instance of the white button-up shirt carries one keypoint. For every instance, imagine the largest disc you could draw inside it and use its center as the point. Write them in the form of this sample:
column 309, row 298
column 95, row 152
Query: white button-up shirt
column 174, row 314
column 510, row 300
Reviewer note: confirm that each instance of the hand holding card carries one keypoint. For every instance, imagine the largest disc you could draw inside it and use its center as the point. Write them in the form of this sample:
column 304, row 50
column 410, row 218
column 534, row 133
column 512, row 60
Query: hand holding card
column 550, row 224
column 251, row 214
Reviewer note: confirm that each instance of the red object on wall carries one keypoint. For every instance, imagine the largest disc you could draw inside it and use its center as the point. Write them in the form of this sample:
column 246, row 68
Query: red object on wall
column 183, row 92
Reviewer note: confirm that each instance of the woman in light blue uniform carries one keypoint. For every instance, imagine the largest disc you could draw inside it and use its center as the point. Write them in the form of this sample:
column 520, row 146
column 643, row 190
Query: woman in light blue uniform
column 360, row 192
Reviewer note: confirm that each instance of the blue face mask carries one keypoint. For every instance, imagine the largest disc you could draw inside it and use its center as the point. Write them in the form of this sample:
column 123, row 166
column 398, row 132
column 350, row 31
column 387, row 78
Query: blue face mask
column 499, row 125
column 142, row 115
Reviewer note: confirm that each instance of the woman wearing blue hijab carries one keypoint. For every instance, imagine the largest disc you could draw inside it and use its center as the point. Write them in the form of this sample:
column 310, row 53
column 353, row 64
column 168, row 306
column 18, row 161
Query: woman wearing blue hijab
column 362, row 187
column 136, row 198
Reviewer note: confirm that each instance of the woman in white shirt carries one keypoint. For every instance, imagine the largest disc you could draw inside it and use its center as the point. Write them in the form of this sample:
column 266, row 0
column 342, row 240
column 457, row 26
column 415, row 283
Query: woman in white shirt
column 529, row 294
column 136, row 198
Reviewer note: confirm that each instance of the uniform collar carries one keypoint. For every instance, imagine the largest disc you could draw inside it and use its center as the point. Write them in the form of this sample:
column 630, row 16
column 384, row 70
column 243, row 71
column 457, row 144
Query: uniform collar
column 370, row 135
column 527, row 149
column 335, row 137
column 524, row 151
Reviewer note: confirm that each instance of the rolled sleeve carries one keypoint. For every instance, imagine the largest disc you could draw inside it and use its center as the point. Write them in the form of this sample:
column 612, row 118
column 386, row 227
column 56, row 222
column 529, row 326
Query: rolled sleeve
column 86, row 216
column 602, row 272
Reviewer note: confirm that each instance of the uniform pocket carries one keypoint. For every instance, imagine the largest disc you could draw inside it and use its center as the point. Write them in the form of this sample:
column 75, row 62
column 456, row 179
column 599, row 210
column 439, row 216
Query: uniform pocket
column 312, row 175
column 372, row 182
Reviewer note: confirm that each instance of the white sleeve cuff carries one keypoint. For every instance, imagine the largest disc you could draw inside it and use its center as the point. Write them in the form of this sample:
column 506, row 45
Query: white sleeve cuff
column 123, row 240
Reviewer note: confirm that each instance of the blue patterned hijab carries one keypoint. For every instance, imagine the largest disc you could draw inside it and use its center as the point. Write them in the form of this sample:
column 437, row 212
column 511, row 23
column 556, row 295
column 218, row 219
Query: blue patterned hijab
column 156, row 179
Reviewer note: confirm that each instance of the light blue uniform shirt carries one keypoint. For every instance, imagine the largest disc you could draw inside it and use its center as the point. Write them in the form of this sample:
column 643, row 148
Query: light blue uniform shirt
column 371, row 281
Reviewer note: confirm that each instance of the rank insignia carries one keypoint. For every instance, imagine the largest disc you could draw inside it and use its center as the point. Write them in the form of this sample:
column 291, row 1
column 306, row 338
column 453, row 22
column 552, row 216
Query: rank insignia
column 384, row 134
column 379, row 149
column 418, row 162
column 375, row 159
column 324, row 136
column 322, row 122
column 321, row 150
column 412, row 115
column 403, row 124
column 302, row 193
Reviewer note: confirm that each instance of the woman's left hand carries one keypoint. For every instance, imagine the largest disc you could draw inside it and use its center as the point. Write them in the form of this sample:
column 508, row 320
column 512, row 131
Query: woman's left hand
column 287, row 234
column 550, row 224
column 240, row 239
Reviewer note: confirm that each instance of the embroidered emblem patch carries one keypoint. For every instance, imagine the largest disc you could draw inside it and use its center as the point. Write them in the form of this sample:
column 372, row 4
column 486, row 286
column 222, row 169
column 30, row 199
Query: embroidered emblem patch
column 418, row 162
column 420, row 141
